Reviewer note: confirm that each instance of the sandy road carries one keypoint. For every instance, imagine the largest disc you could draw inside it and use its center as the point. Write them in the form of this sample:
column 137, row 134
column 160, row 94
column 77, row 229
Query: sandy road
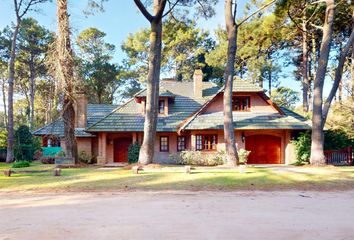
column 178, row 215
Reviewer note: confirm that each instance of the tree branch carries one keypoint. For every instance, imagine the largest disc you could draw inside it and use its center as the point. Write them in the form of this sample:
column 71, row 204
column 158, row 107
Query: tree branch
column 338, row 75
column 143, row 10
column 257, row 11
column 171, row 8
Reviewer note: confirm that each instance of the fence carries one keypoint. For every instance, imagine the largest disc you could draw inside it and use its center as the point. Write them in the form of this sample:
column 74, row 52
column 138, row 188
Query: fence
column 339, row 157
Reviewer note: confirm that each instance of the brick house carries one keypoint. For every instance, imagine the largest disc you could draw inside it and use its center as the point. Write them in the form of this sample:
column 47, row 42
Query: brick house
column 190, row 118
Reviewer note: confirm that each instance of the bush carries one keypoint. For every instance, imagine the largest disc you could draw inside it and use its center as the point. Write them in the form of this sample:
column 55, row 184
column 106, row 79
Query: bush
column 25, row 145
column 336, row 140
column 333, row 140
column 86, row 158
column 21, row 164
column 133, row 153
column 303, row 148
column 201, row 159
column 48, row 160
column 60, row 154
column 243, row 156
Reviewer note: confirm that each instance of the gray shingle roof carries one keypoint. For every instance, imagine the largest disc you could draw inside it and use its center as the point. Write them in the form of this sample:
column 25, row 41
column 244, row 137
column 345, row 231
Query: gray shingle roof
column 129, row 117
column 249, row 120
column 240, row 85
column 94, row 113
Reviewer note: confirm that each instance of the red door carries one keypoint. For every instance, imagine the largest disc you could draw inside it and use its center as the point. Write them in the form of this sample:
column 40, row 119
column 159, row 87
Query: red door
column 121, row 146
column 265, row 149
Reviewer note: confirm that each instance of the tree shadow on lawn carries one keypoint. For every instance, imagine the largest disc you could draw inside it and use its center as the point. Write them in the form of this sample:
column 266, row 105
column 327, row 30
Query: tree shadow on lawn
column 122, row 180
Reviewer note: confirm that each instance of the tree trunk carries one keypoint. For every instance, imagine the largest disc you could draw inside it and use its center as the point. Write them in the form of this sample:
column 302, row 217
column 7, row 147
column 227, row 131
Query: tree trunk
column 305, row 60
column 4, row 102
column 66, row 73
column 32, row 92
column 10, row 121
column 146, row 154
column 229, row 135
column 317, row 155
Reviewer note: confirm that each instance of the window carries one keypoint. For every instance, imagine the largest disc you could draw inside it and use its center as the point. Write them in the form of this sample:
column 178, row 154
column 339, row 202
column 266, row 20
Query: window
column 161, row 106
column 181, row 143
column 241, row 104
column 163, row 144
column 206, row 142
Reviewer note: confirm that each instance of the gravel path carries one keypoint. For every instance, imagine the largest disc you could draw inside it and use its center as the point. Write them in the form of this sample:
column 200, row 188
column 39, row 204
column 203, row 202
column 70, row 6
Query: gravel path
column 178, row 215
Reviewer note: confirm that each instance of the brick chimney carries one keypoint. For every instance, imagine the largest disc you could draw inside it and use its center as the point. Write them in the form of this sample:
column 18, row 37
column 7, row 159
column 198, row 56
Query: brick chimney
column 80, row 110
column 197, row 83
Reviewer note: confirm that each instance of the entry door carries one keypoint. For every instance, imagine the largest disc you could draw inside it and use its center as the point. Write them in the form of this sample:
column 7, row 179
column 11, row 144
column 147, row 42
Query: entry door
column 121, row 146
column 265, row 149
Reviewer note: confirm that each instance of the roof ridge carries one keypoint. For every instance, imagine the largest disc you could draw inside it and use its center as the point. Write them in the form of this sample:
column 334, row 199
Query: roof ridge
column 194, row 115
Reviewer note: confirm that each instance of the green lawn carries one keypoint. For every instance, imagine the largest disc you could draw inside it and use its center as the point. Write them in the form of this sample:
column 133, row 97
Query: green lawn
column 174, row 178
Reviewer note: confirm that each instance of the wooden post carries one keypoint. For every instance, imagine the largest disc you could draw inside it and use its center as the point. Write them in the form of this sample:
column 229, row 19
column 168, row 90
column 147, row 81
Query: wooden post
column 57, row 172
column 136, row 169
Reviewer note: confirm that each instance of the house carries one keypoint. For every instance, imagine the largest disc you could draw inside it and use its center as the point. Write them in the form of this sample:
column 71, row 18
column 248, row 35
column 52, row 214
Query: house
column 190, row 117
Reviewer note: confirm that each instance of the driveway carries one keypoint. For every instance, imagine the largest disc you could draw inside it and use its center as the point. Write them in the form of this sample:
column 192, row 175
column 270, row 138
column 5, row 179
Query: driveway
column 178, row 215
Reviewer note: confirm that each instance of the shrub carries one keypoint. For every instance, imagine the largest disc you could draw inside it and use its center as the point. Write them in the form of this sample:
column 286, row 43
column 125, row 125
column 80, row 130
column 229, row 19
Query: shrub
column 133, row 153
column 303, row 147
column 243, row 156
column 20, row 164
column 25, row 145
column 201, row 159
column 336, row 139
column 175, row 158
column 60, row 154
column 48, row 160
column 333, row 140
column 86, row 158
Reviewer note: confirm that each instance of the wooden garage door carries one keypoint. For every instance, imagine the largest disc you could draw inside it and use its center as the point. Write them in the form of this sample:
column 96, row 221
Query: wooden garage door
column 265, row 149
column 121, row 146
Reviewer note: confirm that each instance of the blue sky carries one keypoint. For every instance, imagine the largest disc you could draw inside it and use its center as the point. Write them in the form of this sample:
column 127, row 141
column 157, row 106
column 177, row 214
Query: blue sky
column 120, row 18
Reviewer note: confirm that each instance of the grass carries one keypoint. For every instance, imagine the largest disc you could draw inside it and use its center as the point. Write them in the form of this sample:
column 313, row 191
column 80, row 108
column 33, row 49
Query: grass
column 174, row 178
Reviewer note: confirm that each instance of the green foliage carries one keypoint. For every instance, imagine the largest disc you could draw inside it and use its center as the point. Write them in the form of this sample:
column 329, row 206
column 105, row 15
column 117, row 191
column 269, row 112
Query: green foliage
column 60, row 154
column 86, row 158
column 341, row 117
column 21, row 164
column 258, row 43
column 286, row 97
column 333, row 140
column 337, row 139
column 184, row 49
column 243, row 155
column 201, row 159
column 133, row 153
column 303, row 147
column 98, row 73
column 25, row 145
column 3, row 138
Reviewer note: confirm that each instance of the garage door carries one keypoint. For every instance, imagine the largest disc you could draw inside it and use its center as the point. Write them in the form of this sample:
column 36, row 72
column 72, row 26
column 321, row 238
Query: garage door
column 265, row 149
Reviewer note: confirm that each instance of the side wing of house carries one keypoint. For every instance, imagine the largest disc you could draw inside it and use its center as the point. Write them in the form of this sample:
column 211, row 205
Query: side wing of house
column 260, row 126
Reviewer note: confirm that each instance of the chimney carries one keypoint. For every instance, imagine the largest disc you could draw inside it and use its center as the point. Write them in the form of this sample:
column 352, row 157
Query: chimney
column 80, row 110
column 197, row 83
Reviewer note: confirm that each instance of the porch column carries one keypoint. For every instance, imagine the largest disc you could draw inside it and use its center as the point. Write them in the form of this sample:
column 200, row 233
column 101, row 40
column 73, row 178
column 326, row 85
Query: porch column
column 135, row 137
column 193, row 141
column 102, row 149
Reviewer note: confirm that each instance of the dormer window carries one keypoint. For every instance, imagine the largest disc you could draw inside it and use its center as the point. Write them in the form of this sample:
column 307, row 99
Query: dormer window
column 162, row 107
column 241, row 103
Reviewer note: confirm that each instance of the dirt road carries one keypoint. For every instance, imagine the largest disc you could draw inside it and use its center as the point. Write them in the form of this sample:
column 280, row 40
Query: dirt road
column 178, row 215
